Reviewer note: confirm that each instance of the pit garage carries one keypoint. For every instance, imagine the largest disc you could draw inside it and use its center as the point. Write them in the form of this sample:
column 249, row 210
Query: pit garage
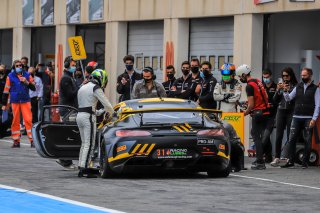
column 42, row 45
column 145, row 43
column 6, row 37
column 211, row 39
column 93, row 36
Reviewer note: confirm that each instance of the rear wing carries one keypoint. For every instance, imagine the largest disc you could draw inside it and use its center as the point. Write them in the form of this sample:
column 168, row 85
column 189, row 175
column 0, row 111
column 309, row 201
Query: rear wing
column 217, row 113
column 151, row 110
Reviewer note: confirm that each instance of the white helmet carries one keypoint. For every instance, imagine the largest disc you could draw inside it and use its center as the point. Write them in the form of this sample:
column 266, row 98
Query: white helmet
column 243, row 69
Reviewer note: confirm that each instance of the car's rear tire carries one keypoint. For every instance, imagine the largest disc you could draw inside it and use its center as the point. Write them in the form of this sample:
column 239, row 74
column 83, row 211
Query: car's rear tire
column 105, row 170
column 219, row 174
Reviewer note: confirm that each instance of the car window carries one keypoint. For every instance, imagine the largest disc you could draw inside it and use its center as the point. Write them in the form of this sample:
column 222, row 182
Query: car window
column 59, row 115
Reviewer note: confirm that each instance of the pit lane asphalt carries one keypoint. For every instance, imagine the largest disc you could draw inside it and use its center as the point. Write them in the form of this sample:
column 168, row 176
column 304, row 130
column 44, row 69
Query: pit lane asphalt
column 277, row 190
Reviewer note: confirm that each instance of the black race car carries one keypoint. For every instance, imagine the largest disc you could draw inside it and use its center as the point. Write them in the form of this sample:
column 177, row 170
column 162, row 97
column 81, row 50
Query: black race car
column 146, row 135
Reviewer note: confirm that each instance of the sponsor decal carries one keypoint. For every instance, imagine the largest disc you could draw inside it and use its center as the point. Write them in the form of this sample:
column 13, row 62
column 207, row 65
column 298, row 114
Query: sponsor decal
column 231, row 118
column 121, row 148
column 222, row 146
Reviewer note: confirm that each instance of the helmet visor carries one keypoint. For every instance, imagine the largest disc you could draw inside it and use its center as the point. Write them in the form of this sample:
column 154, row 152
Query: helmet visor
column 226, row 72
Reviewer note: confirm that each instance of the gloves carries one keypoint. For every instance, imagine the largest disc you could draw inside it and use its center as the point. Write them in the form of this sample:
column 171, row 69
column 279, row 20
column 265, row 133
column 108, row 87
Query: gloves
column 99, row 112
column 227, row 96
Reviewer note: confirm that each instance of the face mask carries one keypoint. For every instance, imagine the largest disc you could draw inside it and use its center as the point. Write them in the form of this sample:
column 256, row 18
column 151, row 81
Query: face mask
column 243, row 80
column 202, row 75
column 72, row 69
column 41, row 69
column 170, row 76
column 226, row 77
column 18, row 69
column 185, row 72
column 129, row 67
column 194, row 69
column 305, row 80
column 147, row 80
column 206, row 73
column 266, row 80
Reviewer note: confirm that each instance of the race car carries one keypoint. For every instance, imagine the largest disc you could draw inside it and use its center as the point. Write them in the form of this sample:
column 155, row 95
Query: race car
column 156, row 134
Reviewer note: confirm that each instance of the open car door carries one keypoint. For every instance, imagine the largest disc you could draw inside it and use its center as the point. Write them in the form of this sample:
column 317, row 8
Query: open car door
column 56, row 135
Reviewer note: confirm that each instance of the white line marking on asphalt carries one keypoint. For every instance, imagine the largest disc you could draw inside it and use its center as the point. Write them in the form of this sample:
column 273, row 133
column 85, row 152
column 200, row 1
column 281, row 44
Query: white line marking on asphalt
column 60, row 199
column 23, row 144
column 274, row 181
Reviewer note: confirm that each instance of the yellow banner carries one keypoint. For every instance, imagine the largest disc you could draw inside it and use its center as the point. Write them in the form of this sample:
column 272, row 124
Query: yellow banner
column 236, row 119
column 77, row 49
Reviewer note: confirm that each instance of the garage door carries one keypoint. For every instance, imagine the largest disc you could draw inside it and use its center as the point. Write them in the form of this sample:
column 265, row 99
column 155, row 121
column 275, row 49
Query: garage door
column 145, row 43
column 211, row 40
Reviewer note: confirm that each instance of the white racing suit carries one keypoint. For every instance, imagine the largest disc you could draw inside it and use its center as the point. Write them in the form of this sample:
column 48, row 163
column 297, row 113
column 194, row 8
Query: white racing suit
column 88, row 96
column 227, row 95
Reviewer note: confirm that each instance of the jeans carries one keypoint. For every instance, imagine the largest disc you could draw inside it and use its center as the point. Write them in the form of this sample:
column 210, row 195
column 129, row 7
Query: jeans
column 283, row 121
column 267, row 147
column 259, row 126
column 297, row 126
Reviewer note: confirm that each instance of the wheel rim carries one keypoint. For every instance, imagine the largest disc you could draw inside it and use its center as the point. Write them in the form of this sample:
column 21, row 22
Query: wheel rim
column 313, row 157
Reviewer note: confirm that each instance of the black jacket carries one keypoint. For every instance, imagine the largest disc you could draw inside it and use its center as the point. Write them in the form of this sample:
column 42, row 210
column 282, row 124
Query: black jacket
column 168, row 84
column 305, row 101
column 281, row 102
column 68, row 90
column 206, row 99
column 271, row 91
column 125, row 90
column 189, row 85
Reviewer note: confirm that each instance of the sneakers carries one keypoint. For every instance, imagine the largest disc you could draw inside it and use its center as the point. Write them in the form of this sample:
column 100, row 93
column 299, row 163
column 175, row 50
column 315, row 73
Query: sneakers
column 304, row 165
column 258, row 166
column 67, row 167
column 16, row 144
column 289, row 164
column 275, row 162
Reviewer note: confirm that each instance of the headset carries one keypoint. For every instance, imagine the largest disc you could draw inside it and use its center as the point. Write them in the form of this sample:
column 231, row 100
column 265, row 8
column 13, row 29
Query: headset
column 150, row 69
column 67, row 62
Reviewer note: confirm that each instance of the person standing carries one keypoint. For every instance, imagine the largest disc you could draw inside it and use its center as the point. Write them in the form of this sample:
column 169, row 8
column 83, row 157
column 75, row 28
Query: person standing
column 305, row 114
column 4, row 124
column 170, row 72
column 24, row 61
column 17, row 86
column 258, row 109
column 68, row 96
column 270, row 88
column 88, row 96
column 180, row 88
column 206, row 87
column 148, row 87
column 36, row 95
column 284, row 111
column 127, row 80
column 228, row 91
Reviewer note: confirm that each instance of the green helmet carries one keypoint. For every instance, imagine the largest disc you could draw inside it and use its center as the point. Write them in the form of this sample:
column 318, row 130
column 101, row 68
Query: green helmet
column 104, row 77
column 96, row 75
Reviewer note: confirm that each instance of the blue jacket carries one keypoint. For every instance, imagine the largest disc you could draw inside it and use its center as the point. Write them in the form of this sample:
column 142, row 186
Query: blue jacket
column 19, row 92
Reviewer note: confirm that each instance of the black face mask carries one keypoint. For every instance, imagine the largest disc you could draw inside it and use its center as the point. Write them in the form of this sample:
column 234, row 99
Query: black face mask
column 129, row 67
column 305, row 80
column 170, row 76
column 243, row 80
column 194, row 70
column 206, row 73
column 185, row 72
column 147, row 80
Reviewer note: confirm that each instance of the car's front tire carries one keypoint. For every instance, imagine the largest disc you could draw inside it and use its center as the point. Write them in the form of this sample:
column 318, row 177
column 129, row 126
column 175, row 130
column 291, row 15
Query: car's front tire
column 105, row 170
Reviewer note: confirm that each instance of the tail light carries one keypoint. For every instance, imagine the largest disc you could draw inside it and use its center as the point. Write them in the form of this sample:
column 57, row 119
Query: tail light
column 132, row 133
column 211, row 132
